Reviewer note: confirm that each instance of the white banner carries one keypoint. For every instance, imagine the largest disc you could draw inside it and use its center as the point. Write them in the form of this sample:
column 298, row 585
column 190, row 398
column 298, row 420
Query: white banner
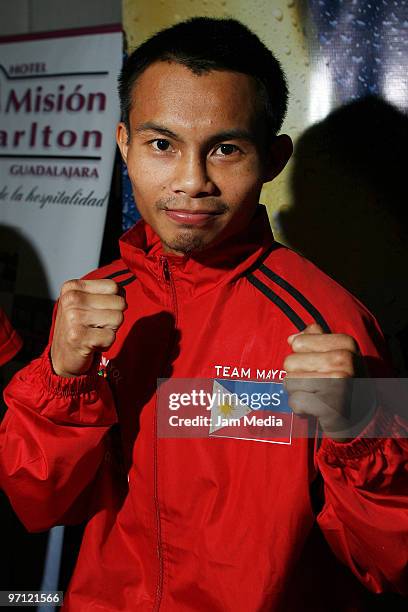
column 58, row 112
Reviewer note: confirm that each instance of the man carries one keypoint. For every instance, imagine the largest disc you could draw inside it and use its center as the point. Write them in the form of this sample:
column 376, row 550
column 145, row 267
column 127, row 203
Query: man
column 204, row 523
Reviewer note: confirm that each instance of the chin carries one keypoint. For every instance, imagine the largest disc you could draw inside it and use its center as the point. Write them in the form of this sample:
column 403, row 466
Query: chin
column 185, row 244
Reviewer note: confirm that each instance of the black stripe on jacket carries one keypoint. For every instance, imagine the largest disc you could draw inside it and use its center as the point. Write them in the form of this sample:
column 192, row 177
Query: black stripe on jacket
column 285, row 308
column 125, row 281
column 299, row 297
column 286, row 286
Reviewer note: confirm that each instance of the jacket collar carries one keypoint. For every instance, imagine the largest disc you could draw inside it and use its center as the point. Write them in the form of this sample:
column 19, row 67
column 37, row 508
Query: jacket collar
column 193, row 275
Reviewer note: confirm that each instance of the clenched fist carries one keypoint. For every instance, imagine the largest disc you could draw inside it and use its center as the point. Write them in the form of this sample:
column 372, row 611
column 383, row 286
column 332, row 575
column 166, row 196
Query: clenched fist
column 88, row 317
column 319, row 379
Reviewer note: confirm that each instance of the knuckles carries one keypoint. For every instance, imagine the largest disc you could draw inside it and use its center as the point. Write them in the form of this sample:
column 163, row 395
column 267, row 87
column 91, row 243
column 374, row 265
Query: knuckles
column 74, row 336
column 108, row 339
column 120, row 317
column 110, row 284
column 298, row 343
column 71, row 298
column 348, row 343
column 339, row 363
column 121, row 302
column 73, row 317
column 102, row 339
column 74, row 284
column 324, row 342
column 287, row 364
column 298, row 401
column 340, row 359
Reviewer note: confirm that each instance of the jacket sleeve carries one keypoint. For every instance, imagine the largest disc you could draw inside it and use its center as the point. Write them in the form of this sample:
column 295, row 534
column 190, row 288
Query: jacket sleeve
column 365, row 481
column 10, row 341
column 365, row 514
column 52, row 442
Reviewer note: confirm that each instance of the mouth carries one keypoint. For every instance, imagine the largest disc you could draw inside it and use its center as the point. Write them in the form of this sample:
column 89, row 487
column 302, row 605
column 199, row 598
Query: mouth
column 189, row 217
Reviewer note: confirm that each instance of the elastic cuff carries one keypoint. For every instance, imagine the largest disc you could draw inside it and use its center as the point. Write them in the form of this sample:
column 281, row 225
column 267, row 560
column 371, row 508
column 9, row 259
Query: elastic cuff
column 60, row 385
column 379, row 429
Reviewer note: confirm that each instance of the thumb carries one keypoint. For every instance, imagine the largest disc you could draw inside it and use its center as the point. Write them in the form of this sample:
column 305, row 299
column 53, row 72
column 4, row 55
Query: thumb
column 313, row 328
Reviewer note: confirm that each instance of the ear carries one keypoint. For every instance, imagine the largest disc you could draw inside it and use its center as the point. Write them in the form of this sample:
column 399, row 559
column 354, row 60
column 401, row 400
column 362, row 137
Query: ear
column 278, row 155
column 122, row 139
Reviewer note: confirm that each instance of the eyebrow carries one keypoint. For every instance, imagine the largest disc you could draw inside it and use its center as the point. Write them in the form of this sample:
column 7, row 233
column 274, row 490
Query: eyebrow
column 150, row 126
column 232, row 134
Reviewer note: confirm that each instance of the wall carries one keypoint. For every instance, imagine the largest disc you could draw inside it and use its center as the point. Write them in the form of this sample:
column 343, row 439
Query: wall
column 22, row 16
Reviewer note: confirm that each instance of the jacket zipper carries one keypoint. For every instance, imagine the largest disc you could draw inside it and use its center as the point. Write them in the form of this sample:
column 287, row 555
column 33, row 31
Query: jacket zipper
column 169, row 281
column 159, row 591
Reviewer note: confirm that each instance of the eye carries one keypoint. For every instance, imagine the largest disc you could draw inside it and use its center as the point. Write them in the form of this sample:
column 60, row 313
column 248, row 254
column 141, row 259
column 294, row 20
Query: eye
column 227, row 149
column 160, row 144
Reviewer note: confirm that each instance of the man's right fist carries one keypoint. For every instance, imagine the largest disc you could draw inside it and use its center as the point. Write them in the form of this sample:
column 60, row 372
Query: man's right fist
column 88, row 317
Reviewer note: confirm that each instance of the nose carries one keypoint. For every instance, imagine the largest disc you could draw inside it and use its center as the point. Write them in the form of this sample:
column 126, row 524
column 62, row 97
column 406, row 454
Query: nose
column 191, row 177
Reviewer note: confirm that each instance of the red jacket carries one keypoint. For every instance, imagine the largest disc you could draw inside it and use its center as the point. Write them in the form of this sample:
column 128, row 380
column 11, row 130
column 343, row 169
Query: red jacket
column 10, row 341
column 205, row 524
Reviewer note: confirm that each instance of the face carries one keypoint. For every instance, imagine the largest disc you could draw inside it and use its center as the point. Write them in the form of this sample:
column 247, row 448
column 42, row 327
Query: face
column 195, row 154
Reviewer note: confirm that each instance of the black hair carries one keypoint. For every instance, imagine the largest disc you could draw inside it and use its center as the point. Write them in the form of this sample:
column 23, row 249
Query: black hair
column 203, row 44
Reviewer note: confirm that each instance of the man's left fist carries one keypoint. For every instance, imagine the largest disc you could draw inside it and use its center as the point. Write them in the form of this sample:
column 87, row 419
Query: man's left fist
column 319, row 373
